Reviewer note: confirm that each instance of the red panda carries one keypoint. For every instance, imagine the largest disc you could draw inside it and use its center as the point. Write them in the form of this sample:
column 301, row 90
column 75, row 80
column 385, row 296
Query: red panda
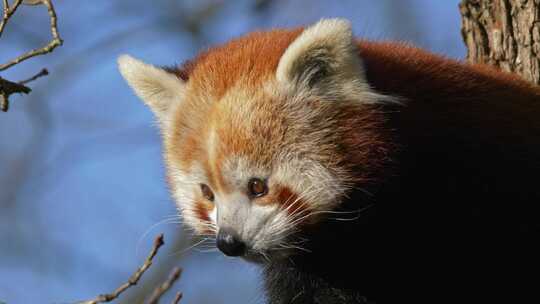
column 281, row 144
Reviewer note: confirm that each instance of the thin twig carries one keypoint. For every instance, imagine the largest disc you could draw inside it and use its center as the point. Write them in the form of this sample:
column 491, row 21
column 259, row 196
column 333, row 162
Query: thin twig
column 7, row 88
column 43, row 72
column 162, row 289
column 177, row 298
column 5, row 16
column 56, row 41
column 8, row 12
column 4, row 102
column 158, row 242
column 32, row 2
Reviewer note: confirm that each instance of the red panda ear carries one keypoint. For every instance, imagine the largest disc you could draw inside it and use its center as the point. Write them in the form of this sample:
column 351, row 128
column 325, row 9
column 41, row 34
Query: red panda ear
column 324, row 61
column 158, row 88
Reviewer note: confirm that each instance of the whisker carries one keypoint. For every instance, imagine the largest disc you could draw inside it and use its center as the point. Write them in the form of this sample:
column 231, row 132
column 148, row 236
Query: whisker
column 182, row 251
column 171, row 219
column 209, row 250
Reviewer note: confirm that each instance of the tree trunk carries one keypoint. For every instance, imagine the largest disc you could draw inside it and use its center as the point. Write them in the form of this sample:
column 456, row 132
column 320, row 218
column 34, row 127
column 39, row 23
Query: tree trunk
column 503, row 33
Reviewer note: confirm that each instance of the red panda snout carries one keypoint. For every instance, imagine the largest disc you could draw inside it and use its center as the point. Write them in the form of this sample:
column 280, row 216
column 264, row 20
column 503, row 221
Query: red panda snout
column 230, row 243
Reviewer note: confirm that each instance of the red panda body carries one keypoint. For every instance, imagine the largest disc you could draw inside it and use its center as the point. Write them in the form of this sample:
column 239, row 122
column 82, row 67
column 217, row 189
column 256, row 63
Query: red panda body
column 463, row 198
column 281, row 144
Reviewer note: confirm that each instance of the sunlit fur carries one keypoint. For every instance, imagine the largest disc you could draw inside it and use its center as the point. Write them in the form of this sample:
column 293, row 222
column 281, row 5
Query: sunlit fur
column 273, row 135
column 334, row 124
column 285, row 119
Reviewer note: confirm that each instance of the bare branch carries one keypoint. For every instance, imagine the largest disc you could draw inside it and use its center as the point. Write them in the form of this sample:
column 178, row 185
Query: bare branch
column 162, row 289
column 177, row 298
column 158, row 242
column 43, row 72
column 10, row 87
column 56, row 41
column 4, row 102
column 32, row 2
column 7, row 88
column 8, row 12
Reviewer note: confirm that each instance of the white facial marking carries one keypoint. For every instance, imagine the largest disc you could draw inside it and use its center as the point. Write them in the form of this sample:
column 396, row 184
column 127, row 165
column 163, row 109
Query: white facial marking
column 213, row 215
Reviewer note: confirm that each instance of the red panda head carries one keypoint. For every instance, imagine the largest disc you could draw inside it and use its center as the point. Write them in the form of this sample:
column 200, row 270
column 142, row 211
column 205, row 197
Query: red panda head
column 265, row 133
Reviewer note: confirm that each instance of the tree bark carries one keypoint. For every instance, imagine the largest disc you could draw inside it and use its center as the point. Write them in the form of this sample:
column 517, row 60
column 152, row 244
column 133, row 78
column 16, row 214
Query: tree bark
column 503, row 33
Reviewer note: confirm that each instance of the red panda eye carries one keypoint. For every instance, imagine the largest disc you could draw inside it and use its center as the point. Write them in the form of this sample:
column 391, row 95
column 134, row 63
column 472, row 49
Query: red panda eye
column 207, row 192
column 257, row 187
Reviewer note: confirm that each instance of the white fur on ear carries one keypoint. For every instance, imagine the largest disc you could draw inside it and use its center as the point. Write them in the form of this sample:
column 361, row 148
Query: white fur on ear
column 158, row 88
column 324, row 61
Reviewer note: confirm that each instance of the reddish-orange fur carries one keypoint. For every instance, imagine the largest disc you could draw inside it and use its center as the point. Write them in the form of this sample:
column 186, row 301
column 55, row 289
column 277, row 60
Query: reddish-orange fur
column 439, row 161
column 430, row 80
column 295, row 206
column 214, row 72
column 392, row 68
column 203, row 209
column 251, row 58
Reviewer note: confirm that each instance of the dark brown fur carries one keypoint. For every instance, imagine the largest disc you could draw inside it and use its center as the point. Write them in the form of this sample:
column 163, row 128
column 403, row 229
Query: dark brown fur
column 463, row 199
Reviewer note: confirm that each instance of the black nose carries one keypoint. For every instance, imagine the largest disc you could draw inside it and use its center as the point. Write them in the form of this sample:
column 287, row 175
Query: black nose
column 229, row 243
